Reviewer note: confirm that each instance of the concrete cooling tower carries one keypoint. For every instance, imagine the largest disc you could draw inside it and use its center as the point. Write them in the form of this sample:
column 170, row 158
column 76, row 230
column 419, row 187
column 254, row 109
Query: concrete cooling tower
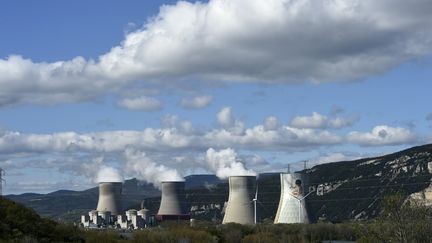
column 240, row 208
column 109, row 197
column 292, row 206
column 173, row 202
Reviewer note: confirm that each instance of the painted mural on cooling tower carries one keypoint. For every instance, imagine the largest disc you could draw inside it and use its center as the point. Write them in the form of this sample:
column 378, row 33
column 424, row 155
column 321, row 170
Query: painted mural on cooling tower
column 292, row 206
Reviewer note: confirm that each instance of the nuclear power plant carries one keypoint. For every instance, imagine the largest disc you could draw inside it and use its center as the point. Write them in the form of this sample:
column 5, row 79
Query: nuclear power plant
column 173, row 202
column 240, row 207
column 292, row 205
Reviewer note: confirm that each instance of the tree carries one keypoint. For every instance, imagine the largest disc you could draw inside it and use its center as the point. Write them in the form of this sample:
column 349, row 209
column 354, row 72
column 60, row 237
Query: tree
column 400, row 220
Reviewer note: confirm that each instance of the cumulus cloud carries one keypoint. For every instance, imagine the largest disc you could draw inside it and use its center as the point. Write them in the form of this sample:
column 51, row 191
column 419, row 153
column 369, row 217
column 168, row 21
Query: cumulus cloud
column 196, row 102
column 220, row 41
column 225, row 163
column 271, row 123
column 320, row 121
column 177, row 148
column 226, row 119
column 167, row 139
column 142, row 103
column 383, row 135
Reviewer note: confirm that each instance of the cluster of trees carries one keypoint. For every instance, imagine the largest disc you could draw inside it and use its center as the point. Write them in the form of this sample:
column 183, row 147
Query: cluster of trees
column 20, row 224
column 399, row 221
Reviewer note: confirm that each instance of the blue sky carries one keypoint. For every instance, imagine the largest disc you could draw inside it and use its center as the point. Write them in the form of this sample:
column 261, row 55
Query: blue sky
column 144, row 88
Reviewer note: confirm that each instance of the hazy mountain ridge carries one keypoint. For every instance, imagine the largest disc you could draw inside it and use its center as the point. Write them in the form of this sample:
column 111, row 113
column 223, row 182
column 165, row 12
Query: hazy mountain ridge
column 343, row 190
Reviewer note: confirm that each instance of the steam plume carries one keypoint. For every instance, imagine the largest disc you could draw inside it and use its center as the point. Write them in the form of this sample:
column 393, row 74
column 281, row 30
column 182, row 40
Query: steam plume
column 140, row 166
column 108, row 174
column 226, row 163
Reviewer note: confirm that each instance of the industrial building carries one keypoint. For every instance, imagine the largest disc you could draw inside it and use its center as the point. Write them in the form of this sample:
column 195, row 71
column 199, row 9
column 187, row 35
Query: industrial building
column 173, row 204
column 134, row 219
column 292, row 205
column 240, row 208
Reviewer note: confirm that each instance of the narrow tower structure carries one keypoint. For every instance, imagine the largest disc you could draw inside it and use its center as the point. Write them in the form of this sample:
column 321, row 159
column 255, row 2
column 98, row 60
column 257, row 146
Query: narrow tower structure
column 240, row 206
column 292, row 206
column 173, row 202
column 109, row 197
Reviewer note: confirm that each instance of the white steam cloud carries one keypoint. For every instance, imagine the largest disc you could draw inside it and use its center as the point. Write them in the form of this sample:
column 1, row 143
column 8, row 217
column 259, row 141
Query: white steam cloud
column 225, row 163
column 139, row 165
column 108, row 174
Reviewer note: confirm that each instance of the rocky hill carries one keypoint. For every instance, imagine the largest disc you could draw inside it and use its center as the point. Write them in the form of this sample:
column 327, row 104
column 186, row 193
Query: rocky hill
column 347, row 190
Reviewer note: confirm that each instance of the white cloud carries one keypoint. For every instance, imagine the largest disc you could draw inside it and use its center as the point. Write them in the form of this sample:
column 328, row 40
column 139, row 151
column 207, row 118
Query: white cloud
column 220, row 41
column 225, row 117
column 383, row 135
column 177, row 148
column 196, row 102
column 227, row 120
column 142, row 103
column 320, row 121
column 271, row 123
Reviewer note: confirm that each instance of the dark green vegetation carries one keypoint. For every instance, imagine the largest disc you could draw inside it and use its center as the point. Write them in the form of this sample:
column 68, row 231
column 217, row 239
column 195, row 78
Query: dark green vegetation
column 18, row 223
column 399, row 221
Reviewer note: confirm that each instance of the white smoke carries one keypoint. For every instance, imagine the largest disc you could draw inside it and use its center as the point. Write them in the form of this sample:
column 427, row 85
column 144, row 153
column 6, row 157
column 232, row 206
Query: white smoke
column 108, row 174
column 225, row 163
column 98, row 171
column 139, row 165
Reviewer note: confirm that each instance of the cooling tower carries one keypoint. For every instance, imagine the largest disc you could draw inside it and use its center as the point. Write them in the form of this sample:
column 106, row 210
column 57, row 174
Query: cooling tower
column 292, row 206
column 240, row 207
column 173, row 202
column 109, row 197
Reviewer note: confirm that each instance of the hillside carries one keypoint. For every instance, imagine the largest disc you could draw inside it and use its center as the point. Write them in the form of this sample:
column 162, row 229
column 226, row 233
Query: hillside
column 343, row 190
column 20, row 224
